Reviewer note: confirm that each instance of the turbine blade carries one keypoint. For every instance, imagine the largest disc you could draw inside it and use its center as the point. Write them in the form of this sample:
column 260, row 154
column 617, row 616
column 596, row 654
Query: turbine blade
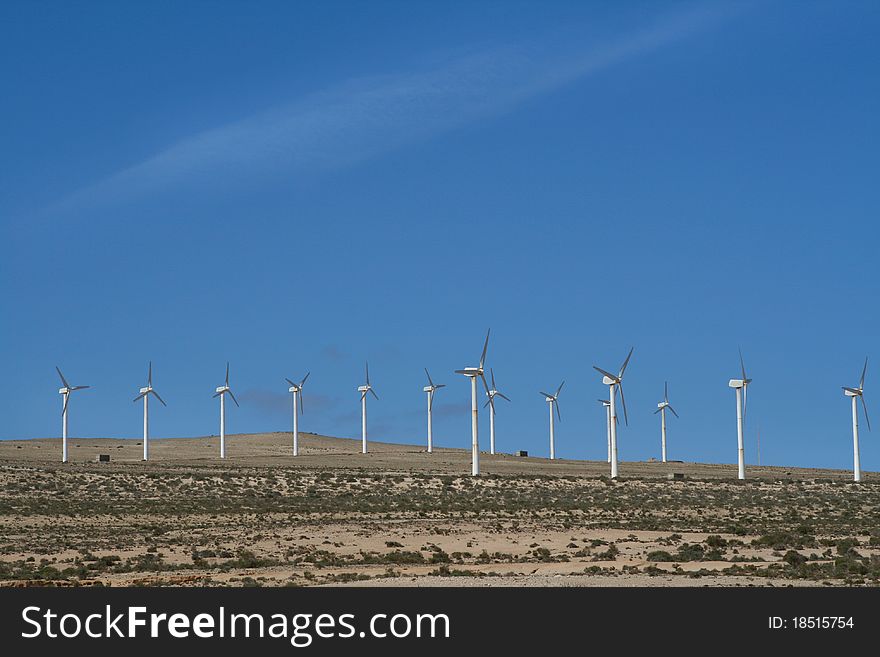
column 487, row 402
column 865, row 408
column 367, row 367
column 485, row 385
column 852, row 390
column 608, row 374
column 559, row 389
column 292, row 384
column 485, row 347
column 227, row 373
column 666, row 391
column 673, row 411
column 546, row 394
column 63, row 380
column 363, row 394
column 233, row 397
column 300, row 400
column 492, row 373
column 657, row 411
column 159, row 398
column 864, row 370
column 216, row 394
column 143, row 394
column 80, row 387
column 603, row 401
column 502, row 395
column 439, row 385
column 745, row 401
column 463, row 372
column 558, row 414
column 150, row 374
column 625, row 363
column 430, row 382
column 431, row 401
column 66, row 400
column 374, row 393
column 742, row 364
column 623, row 401
column 303, row 382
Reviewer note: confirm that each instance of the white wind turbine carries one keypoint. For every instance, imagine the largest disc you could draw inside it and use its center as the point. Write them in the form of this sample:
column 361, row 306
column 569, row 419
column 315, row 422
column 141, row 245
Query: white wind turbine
column 492, row 393
column 473, row 373
column 145, row 394
column 607, row 405
column 615, row 383
column 661, row 408
column 364, row 389
column 553, row 400
column 221, row 392
column 431, row 388
column 296, row 390
column 65, row 394
column 856, row 394
column 741, row 387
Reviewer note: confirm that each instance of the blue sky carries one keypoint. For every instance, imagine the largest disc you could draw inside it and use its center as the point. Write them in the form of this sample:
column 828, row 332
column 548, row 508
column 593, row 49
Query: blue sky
column 303, row 186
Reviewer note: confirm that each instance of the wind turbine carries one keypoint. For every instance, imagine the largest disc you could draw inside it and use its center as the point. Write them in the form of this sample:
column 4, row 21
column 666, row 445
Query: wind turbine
column 65, row 394
column 553, row 400
column 615, row 383
column 296, row 389
column 431, row 388
column 473, row 373
column 661, row 408
column 364, row 389
column 492, row 393
column 221, row 392
column 741, row 385
column 145, row 394
column 856, row 394
column 607, row 405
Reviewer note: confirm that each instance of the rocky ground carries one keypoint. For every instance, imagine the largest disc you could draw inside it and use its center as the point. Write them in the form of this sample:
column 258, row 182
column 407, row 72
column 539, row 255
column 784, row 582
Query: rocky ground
column 398, row 516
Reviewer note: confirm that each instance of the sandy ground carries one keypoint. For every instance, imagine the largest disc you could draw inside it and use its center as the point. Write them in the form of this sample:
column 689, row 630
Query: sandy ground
column 401, row 517
column 274, row 450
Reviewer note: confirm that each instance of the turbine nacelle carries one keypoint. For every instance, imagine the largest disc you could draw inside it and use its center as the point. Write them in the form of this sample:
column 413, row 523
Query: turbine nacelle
column 220, row 389
column 608, row 381
column 739, row 383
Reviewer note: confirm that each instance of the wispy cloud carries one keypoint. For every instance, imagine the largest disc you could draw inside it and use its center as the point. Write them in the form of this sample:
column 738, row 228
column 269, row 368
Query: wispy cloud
column 279, row 403
column 361, row 118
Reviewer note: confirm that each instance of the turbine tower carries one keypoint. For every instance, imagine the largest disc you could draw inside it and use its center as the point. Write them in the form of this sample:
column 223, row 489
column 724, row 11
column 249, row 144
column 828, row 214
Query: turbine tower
column 856, row 394
column 661, row 408
column 615, row 384
column 145, row 394
column 474, row 373
column 364, row 389
column 431, row 388
column 740, row 385
column 296, row 390
column 65, row 394
column 221, row 392
column 607, row 405
column 553, row 400
column 492, row 393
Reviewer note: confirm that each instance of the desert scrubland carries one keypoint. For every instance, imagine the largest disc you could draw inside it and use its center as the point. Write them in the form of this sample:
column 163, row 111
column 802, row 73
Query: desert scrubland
column 398, row 516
